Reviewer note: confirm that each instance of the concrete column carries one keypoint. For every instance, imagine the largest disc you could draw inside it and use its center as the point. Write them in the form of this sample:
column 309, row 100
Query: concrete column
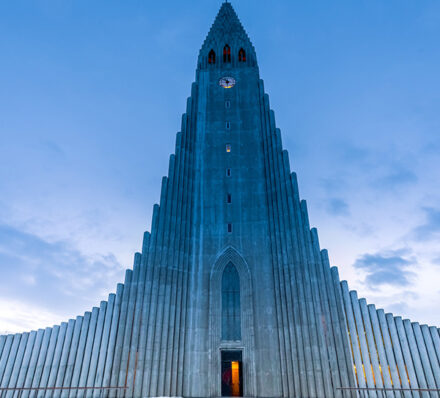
column 72, row 356
column 88, row 352
column 363, row 342
column 361, row 381
column 406, row 354
column 296, row 337
column 323, row 382
column 64, row 357
column 47, row 361
column 39, row 367
column 114, row 379
column 5, row 354
column 2, row 344
column 371, row 344
column 104, row 347
column 424, row 357
column 113, row 334
column 395, row 378
column 418, row 367
column 436, row 340
column 431, row 354
column 95, row 350
column 80, row 354
column 398, row 354
column 17, row 363
column 26, row 359
column 11, row 359
column 380, row 349
column 33, row 361
column 123, row 370
column 302, row 331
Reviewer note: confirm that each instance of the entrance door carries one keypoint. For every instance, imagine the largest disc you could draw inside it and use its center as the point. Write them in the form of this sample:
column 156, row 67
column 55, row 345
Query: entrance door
column 232, row 374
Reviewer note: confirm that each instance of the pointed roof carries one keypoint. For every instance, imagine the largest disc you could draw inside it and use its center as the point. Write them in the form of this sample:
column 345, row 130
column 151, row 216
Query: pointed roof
column 226, row 28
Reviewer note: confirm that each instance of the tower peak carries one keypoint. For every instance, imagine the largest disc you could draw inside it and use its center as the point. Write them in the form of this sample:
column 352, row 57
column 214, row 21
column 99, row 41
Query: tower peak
column 227, row 30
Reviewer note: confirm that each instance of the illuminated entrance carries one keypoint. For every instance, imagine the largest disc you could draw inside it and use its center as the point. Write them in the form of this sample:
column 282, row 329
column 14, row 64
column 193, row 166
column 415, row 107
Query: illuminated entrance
column 232, row 374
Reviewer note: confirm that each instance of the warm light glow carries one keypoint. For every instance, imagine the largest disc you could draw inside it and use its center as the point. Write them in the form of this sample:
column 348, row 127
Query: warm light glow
column 228, row 148
column 235, row 379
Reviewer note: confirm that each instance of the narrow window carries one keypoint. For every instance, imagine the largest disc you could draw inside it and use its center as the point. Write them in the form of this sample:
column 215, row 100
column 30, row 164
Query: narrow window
column 241, row 55
column 228, row 148
column 231, row 319
column 227, row 54
column 211, row 57
column 229, row 227
column 227, row 104
column 229, row 198
column 228, row 125
column 228, row 172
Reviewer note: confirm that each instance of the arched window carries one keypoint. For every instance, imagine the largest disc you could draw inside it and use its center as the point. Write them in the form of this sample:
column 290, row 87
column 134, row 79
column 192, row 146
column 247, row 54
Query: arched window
column 231, row 318
column 211, row 57
column 241, row 55
column 227, row 54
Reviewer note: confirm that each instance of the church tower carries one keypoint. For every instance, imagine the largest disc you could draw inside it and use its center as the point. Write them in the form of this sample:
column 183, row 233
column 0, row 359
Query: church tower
column 231, row 294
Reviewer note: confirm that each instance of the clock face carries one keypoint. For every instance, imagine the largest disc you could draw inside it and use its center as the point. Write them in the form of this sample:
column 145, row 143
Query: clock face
column 227, row 82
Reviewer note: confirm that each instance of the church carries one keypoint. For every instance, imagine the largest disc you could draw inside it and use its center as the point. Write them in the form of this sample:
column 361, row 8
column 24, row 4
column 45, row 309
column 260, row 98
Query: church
column 231, row 294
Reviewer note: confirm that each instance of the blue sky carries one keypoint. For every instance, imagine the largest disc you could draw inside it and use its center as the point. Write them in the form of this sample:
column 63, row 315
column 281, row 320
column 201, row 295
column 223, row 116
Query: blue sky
column 91, row 98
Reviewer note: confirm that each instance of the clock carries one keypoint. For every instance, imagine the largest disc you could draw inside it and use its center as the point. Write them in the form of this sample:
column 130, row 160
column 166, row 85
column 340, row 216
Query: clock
column 227, row 82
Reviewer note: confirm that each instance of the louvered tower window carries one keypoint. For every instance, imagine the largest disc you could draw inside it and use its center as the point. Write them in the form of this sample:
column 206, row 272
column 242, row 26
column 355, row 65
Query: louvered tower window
column 227, row 54
column 211, row 57
column 241, row 55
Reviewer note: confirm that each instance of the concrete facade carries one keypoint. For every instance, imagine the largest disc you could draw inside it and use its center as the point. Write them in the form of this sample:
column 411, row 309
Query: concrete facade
column 229, row 198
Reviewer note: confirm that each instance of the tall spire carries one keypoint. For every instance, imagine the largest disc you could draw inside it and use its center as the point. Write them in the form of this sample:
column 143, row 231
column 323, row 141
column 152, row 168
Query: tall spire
column 226, row 29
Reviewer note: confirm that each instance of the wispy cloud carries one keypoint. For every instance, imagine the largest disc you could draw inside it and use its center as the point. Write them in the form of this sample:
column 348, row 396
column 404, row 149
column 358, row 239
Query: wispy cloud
column 392, row 267
column 396, row 179
column 431, row 227
column 42, row 274
column 338, row 206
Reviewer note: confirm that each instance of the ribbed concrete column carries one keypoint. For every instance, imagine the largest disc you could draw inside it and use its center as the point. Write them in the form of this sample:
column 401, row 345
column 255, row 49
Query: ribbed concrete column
column 120, row 333
column 80, row 353
column 431, row 354
column 398, row 354
column 88, row 352
column 395, row 378
column 353, row 335
column 17, row 363
column 47, row 361
column 372, row 349
column 436, row 341
column 113, row 334
column 5, row 354
column 33, row 361
column 73, row 350
column 11, row 359
column 363, row 343
column 103, row 347
column 404, row 344
column 380, row 349
column 424, row 357
column 56, row 359
column 95, row 350
column 26, row 359
column 64, row 357
column 2, row 344
column 39, row 367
